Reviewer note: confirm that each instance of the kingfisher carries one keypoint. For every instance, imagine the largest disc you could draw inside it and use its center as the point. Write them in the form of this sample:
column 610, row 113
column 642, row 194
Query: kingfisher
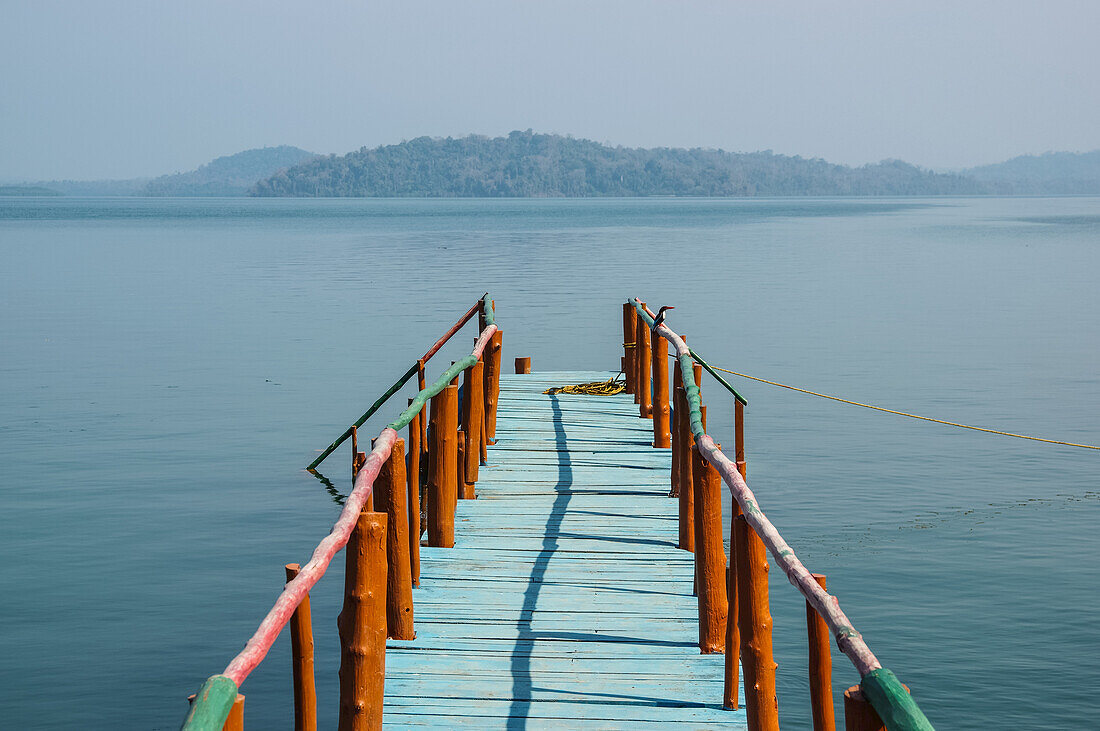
column 660, row 317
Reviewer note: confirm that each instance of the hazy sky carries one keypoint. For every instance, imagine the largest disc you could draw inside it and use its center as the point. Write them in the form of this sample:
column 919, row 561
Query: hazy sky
column 121, row 89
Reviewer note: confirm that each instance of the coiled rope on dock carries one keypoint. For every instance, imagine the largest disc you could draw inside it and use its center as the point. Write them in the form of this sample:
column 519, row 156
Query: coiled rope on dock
column 610, row 387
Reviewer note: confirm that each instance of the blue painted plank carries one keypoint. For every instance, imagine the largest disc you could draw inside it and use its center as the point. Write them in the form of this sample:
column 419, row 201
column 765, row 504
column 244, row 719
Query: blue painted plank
column 565, row 603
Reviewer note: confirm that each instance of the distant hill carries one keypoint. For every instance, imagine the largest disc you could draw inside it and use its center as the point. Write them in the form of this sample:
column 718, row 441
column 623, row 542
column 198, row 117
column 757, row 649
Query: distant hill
column 130, row 186
column 26, row 190
column 525, row 164
column 1049, row 173
column 229, row 175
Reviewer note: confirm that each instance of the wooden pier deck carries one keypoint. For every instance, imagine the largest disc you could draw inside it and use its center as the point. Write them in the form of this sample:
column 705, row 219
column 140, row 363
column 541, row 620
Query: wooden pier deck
column 565, row 602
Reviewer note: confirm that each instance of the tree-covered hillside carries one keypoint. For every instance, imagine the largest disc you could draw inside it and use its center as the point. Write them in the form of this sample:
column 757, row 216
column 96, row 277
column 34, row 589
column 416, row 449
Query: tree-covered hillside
column 229, row 175
column 1051, row 173
column 524, row 164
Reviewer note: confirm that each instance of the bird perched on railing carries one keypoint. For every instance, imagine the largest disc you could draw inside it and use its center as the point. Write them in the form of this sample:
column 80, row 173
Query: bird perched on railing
column 660, row 317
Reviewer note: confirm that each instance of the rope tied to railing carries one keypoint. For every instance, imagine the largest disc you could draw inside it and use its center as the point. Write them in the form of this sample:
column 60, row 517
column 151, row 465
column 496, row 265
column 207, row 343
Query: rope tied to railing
column 903, row 413
column 889, row 698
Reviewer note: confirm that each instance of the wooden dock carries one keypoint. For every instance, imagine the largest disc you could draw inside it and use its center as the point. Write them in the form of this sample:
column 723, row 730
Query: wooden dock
column 558, row 597
column 564, row 602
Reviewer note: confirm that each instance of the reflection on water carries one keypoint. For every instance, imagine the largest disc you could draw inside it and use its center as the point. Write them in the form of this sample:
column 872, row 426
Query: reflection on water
column 337, row 496
column 169, row 366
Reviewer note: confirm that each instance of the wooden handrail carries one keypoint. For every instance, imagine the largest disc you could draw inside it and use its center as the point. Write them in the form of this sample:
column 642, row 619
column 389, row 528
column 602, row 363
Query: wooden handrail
column 882, row 688
column 219, row 692
column 483, row 305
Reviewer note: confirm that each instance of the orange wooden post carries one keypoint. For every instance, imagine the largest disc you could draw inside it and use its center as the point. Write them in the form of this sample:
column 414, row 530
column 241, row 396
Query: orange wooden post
column 421, row 384
column 630, row 317
column 301, row 654
column 636, row 357
column 645, row 397
column 685, row 490
column 859, row 715
column 710, row 558
column 442, row 458
column 412, row 477
column 739, row 436
column 356, row 455
column 679, row 409
column 483, row 442
column 473, row 407
column 362, row 625
column 392, row 490
column 659, row 357
column 492, row 382
column 465, row 489
column 755, row 624
column 821, row 667
column 235, row 720
column 733, row 635
column 677, row 429
column 523, row 365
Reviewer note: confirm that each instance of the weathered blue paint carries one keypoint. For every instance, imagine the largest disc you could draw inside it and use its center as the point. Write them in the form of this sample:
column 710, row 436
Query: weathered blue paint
column 564, row 602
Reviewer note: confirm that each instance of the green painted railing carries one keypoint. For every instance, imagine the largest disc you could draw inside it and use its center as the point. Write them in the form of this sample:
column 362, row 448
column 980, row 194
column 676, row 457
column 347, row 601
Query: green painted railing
column 879, row 685
column 484, row 305
column 215, row 698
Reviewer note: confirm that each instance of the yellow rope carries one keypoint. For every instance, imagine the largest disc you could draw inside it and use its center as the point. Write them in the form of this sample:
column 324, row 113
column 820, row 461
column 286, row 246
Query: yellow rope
column 902, row 413
column 610, row 387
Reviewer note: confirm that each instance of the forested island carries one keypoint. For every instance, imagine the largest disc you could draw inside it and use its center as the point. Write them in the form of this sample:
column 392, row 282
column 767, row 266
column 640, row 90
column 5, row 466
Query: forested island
column 525, row 164
column 229, row 175
column 529, row 165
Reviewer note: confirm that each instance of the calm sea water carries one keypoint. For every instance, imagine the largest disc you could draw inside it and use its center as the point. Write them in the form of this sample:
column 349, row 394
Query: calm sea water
column 169, row 366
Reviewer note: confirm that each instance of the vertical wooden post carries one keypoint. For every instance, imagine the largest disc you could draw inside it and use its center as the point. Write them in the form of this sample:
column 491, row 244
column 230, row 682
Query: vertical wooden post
column 362, row 625
column 630, row 316
column 755, row 624
column 733, row 635
column 660, row 392
column 677, row 436
column 709, row 555
column 739, row 437
column 442, row 458
column 301, row 655
column 412, row 477
column 421, row 384
column 859, row 714
column 523, row 365
column 465, row 489
column 356, row 455
column 492, row 382
column 679, row 409
column 697, row 372
column 645, row 397
column 235, row 720
column 473, row 414
column 821, row 667
column 392, row 489
column 685, row 489
column 636, row 357
column 483, row 443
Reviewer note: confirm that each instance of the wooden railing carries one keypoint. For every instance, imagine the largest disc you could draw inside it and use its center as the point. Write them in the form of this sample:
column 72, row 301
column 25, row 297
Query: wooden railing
column 734, row 614
column 380, row 525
